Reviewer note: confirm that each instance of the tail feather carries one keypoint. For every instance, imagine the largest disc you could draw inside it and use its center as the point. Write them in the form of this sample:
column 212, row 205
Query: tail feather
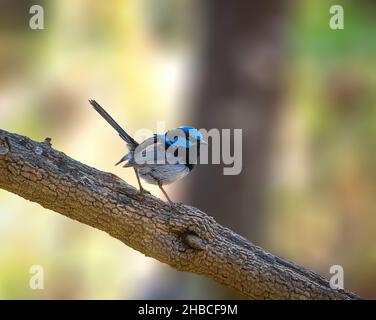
column 132, row 144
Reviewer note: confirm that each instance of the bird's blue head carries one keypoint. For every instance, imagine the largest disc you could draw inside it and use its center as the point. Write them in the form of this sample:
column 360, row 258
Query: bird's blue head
column 184, row 137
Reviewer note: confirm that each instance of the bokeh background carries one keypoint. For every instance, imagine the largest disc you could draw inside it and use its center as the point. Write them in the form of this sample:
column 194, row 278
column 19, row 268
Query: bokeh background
column 303, row 94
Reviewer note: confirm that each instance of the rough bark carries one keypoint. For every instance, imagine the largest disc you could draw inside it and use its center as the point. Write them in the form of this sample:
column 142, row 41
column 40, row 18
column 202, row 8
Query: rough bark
column 186, row 239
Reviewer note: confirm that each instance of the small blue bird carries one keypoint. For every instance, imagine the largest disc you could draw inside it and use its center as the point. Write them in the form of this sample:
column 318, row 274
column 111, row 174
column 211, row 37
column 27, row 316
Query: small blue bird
column 161, row 159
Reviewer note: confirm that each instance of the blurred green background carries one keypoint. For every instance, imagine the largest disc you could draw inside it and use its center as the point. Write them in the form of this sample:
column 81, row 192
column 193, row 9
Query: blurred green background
column 303, row 94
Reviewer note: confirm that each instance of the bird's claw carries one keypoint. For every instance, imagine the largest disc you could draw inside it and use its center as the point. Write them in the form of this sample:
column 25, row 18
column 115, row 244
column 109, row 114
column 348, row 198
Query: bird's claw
column 142, row 193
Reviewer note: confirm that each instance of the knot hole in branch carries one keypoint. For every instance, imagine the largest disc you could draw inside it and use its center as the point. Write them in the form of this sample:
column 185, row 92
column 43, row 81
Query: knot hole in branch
column 194, row 241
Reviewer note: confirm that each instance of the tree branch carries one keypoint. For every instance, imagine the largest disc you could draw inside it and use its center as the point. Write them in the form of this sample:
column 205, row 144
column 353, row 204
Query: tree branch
column 188, row 239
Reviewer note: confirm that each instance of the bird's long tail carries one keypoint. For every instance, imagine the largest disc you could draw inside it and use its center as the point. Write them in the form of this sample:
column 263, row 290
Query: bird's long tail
column 132, row 144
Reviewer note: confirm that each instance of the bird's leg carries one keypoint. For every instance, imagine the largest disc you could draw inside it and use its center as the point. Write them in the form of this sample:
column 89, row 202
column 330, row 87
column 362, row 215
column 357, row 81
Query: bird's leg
column 166, row 195
column 142, row 190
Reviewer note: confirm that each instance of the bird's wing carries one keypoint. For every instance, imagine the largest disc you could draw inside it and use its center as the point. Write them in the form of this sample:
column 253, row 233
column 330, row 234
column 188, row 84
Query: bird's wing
column 150, row 151
column 155, row 151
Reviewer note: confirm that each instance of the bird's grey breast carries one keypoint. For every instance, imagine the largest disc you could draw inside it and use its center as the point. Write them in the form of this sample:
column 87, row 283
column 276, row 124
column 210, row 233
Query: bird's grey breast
column 163, row 174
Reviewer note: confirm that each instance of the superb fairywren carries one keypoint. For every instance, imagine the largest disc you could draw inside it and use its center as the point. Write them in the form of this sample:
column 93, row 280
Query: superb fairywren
column 161, row 159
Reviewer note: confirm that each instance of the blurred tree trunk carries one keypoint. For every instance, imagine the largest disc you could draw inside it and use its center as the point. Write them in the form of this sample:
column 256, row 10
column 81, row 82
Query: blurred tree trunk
column 238, row 86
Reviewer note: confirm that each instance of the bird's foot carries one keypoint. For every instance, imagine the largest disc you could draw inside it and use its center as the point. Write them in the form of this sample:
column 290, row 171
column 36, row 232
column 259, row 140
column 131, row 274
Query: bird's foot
column 142, row 193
